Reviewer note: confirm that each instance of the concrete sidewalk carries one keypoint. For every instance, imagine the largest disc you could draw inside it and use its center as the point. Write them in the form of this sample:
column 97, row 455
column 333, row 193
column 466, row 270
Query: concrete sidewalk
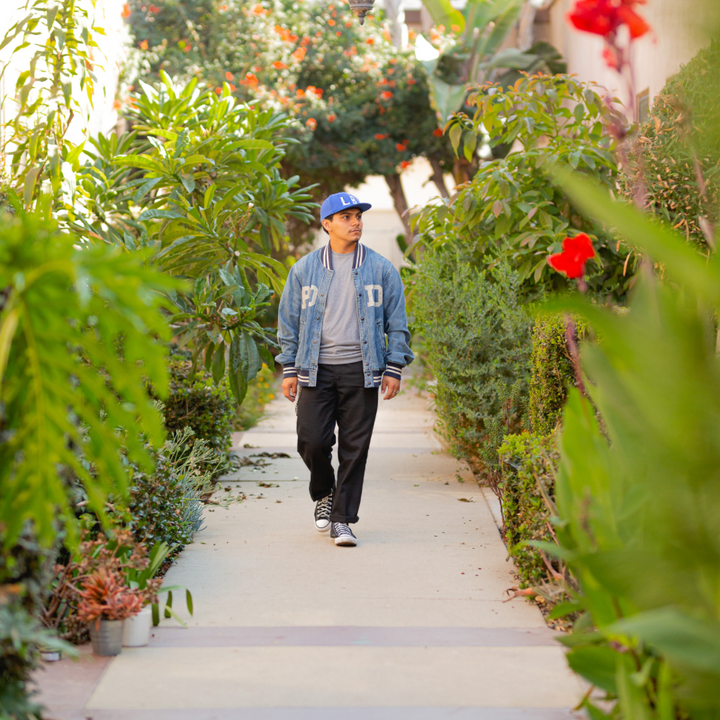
column 411, row 624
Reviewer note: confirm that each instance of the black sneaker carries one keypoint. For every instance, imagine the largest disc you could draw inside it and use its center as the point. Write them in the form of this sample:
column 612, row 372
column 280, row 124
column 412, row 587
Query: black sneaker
column 343, row 535
column 323, row 508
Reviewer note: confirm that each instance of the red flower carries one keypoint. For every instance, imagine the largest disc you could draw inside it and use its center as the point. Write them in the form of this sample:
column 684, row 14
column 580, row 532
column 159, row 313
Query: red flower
column 404, row 164
column 229, row 76
column 311, row 123
column 400, row 147
column 386, row 95
column 154, row 9
column 279, row 65
column 380, row 136
column 437, row 132
column 331, row 117
column 604, row 17
column 575, row 253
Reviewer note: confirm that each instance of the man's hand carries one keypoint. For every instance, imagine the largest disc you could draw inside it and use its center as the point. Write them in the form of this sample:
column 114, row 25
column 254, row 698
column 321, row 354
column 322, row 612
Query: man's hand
column 390, row 387
column 289, row 388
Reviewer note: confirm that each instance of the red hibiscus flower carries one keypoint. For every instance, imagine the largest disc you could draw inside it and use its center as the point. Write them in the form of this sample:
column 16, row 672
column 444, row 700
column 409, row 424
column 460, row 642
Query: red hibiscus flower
column 604, row 17
column 575, row 253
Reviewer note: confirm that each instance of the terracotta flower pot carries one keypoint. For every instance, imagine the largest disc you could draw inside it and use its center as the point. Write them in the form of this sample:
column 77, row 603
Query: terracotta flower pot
column 106, row 637
column 136, row 632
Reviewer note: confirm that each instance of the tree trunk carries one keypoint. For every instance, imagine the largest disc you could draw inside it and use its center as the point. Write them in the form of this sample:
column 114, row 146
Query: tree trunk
column 400, row 203
column 438, row 177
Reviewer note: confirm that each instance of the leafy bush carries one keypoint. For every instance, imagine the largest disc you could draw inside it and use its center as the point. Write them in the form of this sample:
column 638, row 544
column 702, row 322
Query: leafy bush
column 684, row 120
column 527, row 493
column 509, row 211
column 552, row 372
column 195, row 402
column 477, row 338
column 166, row 505
column 638, row 500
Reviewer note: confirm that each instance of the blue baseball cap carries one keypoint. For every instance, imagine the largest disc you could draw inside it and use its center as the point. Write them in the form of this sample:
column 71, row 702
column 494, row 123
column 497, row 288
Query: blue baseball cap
column 341, row 201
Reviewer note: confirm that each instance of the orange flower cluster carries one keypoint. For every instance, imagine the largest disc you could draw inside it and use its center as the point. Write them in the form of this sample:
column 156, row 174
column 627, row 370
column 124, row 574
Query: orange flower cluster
column 258, row 9
column 229, row 76
column 311, row 123
column 386, row 95
column 250, row 80
column 279, row 65
column 299, row 54
column 126, row 12
column 285, row 34
column 405, row 164
column 331, row 117
column 154, row 9
column 381, row 136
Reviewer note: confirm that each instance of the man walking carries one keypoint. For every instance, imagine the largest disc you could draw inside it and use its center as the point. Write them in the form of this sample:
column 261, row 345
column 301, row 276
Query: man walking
column 338, row 306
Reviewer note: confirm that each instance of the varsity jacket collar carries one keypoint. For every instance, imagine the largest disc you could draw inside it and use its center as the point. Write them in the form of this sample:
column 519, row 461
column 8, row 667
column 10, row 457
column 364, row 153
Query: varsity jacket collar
column 359, row 259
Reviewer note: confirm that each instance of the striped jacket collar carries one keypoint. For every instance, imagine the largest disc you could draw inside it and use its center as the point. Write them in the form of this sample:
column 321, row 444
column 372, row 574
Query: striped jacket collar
column 359, row 259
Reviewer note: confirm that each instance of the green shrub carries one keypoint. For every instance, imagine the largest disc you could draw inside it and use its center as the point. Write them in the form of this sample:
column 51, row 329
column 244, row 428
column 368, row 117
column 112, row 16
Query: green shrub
column 552, row 372
column 685, row 115
column 166, row 505
column 196, row 402
column 527, row 466
column 477, row 338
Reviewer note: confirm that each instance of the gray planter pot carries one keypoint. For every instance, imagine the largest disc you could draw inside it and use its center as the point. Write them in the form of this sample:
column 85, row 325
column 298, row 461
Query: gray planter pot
column 106, row 637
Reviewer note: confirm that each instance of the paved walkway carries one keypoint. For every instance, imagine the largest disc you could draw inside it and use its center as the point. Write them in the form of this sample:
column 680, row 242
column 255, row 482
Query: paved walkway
column 410, row 625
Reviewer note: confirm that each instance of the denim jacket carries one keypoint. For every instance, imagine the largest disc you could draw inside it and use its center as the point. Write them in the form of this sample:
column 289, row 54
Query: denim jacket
column 380, row 311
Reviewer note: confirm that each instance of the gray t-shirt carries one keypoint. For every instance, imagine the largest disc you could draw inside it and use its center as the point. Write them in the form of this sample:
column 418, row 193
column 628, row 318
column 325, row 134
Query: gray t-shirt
column 340, row 342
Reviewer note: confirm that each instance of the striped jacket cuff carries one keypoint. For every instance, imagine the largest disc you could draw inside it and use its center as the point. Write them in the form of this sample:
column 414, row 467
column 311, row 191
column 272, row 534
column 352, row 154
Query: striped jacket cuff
column 394, row 370
column 289, row 371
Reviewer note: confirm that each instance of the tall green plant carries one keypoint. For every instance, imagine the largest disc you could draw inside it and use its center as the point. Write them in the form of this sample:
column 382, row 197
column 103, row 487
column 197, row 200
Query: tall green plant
column 474, row 54
column 638, row 500
column 79, row 331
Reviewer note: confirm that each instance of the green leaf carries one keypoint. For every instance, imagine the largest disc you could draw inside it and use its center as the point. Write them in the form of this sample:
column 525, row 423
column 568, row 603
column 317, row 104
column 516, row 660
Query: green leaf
column 469, row 143
column 455, row 136
column 692, row 642
column 596, row 663
column 443, row 13
column 218, row 363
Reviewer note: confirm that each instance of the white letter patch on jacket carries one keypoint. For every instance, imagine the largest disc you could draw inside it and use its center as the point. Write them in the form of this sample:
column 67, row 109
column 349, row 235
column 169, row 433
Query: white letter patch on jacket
column 309, row 296
column 371, row 290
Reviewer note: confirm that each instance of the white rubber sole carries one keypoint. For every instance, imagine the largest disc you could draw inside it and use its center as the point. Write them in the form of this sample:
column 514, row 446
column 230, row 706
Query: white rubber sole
column 345, row 541
column 323, row 529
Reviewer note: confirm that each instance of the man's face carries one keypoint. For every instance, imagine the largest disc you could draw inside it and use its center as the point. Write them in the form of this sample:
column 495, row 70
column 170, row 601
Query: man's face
column 346, row 225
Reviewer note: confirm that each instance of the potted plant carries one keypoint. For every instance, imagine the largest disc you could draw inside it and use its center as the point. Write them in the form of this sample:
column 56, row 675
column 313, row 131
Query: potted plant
column 105, row 602
column 140, row 577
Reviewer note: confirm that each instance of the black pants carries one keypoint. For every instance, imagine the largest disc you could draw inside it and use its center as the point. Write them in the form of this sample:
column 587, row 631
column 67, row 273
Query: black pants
column 339, row 398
